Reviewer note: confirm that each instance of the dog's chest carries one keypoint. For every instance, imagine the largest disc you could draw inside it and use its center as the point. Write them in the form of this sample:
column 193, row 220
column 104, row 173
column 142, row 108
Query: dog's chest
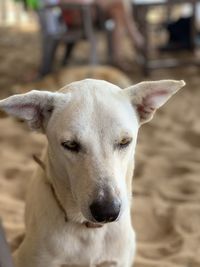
column 84, row 247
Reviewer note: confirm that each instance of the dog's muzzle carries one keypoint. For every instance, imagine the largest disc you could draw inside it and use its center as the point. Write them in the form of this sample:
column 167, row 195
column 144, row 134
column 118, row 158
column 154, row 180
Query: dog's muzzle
column 106, row 209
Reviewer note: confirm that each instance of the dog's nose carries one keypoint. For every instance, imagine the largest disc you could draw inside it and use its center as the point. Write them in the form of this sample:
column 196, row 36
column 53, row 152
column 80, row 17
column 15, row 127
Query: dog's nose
column 105, row 211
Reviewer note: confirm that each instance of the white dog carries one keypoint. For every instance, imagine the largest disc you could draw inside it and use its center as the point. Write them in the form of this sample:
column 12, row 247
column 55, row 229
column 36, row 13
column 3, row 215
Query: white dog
column 78, row 207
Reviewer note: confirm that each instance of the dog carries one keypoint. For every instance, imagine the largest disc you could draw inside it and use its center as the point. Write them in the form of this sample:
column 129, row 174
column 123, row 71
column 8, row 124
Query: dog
column 79, row 203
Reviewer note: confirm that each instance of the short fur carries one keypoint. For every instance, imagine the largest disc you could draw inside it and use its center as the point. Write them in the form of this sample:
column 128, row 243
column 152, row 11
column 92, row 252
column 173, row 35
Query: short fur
column 99, row 116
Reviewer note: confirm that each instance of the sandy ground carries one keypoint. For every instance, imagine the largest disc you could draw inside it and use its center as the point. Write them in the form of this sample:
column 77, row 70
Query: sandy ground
column 166, row 184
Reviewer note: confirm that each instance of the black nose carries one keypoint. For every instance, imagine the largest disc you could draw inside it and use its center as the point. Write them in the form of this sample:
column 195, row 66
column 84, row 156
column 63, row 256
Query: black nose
column 105, row 210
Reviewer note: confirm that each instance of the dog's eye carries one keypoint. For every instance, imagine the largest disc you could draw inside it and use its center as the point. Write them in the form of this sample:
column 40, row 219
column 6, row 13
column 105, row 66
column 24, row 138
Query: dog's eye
column 124, row 142
column 71, row 145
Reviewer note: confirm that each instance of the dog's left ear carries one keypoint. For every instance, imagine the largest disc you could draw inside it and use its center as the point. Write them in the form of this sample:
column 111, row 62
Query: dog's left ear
column 34, row 107
column 147, row 97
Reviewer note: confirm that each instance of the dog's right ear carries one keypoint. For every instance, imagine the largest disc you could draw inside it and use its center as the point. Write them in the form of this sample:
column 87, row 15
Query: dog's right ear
column 147, row 97
column 34, row 107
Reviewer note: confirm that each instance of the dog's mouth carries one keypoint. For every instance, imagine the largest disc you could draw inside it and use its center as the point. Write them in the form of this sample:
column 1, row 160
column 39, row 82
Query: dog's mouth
column 89, row 224
column 95, row 224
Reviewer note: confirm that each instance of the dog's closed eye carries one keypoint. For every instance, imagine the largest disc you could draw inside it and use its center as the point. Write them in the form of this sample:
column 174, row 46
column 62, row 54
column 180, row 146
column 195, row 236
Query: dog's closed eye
column 125, row 142
column 71, row 145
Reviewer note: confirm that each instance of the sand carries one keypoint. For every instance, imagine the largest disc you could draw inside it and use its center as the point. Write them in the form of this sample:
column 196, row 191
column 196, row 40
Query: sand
column 166, row 184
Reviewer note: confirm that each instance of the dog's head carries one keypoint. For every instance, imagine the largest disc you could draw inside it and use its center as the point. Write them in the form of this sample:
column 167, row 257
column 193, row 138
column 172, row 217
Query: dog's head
column 92, row 128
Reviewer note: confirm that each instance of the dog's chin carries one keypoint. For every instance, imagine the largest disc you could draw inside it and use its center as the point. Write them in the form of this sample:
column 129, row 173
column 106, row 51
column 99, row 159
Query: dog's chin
column 89, row 221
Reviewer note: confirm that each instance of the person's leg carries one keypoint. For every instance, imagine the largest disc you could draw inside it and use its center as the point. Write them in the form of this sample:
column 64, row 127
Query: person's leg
column 49, row 47
column 130, row 24
column 122, row 13
column 48, row 22
column 5, row 255
column 68, row 51
column 122, row 17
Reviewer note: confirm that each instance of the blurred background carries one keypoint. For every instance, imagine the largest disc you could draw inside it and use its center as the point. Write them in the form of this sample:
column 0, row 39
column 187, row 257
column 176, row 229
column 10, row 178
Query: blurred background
column 45, row 44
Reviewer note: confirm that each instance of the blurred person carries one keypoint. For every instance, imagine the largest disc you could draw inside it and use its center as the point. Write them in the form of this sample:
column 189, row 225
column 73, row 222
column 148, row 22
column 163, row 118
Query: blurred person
column 121, row 12
column 5, row 255
column 50, row 25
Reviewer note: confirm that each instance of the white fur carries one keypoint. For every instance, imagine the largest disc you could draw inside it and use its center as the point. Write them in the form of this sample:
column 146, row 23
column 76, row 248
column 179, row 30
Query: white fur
column 99, row 115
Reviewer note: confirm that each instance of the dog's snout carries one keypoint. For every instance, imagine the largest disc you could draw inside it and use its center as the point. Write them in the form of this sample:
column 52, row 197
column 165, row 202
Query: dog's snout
column 105, row 210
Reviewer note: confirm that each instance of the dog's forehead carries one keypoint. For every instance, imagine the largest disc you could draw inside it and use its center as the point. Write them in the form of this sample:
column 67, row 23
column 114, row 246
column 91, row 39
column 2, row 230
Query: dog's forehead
column 91, row 84
column 86, row 92
column 96, row 106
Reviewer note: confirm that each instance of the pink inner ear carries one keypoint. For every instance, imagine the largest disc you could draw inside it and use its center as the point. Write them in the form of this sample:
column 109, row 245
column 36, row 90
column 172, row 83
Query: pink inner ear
column 25, row 111
column 151, row 102
column 155, row 99
column 144, row 111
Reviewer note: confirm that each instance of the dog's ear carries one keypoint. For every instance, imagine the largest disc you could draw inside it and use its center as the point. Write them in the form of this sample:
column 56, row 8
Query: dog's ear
column 147, row 97
column 34, row 107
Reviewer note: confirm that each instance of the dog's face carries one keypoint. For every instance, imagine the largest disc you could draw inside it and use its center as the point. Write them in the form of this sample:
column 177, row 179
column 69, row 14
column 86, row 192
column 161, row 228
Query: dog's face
column 92, row 129
column 93, row 141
